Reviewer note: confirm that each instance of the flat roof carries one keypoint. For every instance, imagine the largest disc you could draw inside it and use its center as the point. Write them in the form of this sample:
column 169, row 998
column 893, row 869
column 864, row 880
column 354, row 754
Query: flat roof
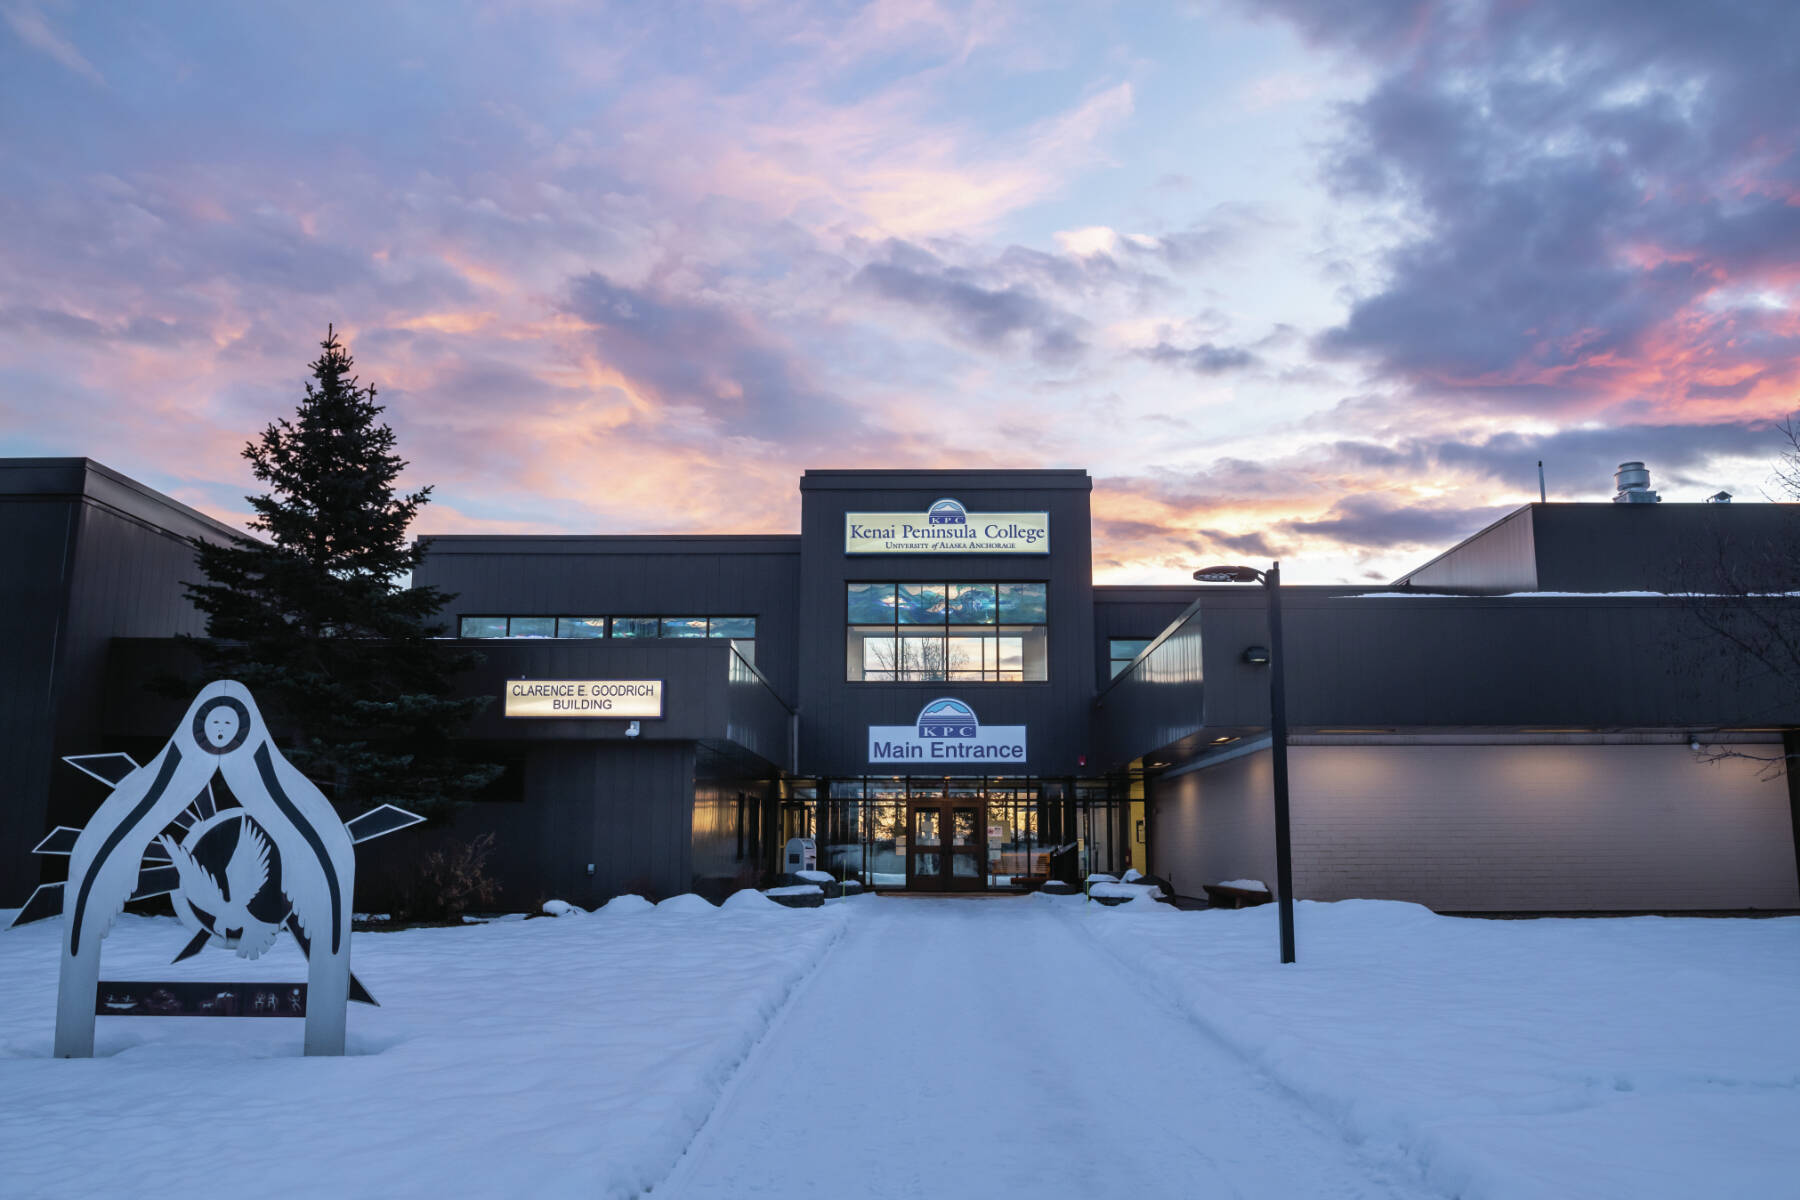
column 90, row 480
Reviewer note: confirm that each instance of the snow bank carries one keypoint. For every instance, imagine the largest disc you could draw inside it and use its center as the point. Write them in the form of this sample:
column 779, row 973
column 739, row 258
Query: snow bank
column 750, row 899
column 527, row 1058
column 795, row 889
column 562, row 908
column 1127, row 891
column 687, row 902
column 1639, row 1058
column 624, row 906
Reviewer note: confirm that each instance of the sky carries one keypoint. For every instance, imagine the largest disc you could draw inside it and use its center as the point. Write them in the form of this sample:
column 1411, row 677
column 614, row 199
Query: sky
column 1291, row 279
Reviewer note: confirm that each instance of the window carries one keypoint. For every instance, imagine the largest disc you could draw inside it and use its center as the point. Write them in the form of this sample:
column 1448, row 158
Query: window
column 956, row 632
column 741, row 631
column 1122, row 650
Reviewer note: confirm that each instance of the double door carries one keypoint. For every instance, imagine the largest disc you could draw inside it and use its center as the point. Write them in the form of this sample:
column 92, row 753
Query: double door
column 946, row 845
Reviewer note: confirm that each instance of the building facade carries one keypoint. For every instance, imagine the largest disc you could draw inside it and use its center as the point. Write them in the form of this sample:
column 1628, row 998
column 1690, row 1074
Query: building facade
column 926, row 680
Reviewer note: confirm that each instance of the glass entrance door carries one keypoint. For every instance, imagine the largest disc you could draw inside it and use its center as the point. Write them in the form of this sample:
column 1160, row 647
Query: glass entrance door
column 946, row 846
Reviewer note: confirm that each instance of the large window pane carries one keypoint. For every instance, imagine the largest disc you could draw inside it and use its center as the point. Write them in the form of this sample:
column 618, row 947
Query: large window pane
column 1022, row 603
column 731, row 627
column 872, row 654
column 871, row 603
column 684, row 627
column 531, row 627
column 922, row 657
column 634, row 627
column 972, row 604
column 483, row 627
column 921, row 604
column 965, row 658
column 1026, row 649
column 581, row 627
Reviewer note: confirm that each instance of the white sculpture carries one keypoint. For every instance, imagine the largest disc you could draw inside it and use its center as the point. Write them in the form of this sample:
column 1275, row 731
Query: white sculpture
column 286, row 834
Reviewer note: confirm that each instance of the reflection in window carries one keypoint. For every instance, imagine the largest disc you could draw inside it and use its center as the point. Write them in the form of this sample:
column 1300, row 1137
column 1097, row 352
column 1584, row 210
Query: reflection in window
column 1121, row 651
column 956, row 632
column 872, row 604
column 741, row 631
column 920, row 604
column 972, row 603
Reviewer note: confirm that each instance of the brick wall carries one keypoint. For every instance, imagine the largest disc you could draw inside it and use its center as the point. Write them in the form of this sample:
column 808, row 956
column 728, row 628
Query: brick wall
column 1493, row 828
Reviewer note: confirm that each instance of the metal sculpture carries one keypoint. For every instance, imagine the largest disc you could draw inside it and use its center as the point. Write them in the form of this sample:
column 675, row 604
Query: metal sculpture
column 280, row 858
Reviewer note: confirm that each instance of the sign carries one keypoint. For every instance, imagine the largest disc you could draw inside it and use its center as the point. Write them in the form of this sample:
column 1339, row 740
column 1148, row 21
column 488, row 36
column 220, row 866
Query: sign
column 189, row 998
column 947, row 528
column 616, row 698
column 946, row 732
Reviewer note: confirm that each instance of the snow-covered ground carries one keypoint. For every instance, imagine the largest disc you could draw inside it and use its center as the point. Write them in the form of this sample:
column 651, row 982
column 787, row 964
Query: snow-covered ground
column 964, row 1047
column 546, row 1058
column 1635, row 1058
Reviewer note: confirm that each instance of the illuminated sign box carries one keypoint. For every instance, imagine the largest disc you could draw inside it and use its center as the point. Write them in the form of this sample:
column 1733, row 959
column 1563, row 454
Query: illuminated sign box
column 616, row 698
column 947, row 528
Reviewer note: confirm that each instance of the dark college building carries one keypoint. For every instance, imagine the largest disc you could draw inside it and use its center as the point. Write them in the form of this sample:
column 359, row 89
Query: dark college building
column 926, row 680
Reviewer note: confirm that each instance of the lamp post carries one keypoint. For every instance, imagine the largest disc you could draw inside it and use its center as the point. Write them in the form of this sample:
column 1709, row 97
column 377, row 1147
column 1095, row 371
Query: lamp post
column 1284, row 864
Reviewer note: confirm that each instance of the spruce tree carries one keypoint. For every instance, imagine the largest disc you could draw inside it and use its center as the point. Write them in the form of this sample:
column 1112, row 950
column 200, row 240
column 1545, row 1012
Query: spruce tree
column 321, row 621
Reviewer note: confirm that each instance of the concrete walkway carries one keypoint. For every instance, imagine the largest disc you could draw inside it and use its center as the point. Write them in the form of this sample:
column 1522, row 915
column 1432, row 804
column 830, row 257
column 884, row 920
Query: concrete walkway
column 987, row 1048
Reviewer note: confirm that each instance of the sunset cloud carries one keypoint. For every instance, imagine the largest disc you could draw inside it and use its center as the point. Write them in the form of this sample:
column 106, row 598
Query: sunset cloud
column 1301, row 279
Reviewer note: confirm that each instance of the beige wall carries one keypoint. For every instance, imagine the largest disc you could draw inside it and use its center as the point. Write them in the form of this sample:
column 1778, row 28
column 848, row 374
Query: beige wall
column 1492, row 828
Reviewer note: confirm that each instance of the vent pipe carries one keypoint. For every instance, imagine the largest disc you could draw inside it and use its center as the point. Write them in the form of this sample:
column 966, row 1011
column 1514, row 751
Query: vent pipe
column 1633, row 481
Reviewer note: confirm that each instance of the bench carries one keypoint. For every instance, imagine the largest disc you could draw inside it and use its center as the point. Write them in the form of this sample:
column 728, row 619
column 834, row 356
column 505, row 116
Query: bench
column 1230, row 897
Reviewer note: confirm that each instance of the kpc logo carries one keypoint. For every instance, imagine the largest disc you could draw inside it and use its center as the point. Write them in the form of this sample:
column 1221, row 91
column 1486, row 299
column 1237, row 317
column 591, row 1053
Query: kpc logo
column 947, row 512
column 948, row 718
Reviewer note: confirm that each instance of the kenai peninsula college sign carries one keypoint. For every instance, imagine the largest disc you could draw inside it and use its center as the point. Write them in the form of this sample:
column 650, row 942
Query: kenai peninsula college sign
column 947, row 528
column 946, row 732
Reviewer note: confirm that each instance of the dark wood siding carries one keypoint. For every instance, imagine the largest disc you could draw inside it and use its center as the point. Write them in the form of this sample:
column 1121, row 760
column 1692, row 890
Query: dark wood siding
column 90, row 555
column 628, row 577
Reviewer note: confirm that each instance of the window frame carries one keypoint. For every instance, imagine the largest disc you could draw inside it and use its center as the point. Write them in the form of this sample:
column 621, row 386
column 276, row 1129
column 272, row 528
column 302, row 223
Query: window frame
column 557, row 619
column 995, row 629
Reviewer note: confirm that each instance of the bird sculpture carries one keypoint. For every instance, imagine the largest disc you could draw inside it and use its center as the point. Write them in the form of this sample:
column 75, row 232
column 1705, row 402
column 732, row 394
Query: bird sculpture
column 220, row 902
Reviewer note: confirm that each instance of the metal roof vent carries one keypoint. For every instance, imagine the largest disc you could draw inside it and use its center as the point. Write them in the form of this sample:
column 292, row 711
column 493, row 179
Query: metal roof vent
column 1633, row 482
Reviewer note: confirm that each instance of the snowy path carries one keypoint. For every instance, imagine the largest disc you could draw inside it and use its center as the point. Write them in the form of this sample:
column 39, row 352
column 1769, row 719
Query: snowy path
column 983, row 1048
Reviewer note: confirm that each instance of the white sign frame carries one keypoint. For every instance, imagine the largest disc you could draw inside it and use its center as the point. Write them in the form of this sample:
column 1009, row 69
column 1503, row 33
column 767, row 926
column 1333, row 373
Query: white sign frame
column 592, row 699
column 946, row 527
column 947, row 733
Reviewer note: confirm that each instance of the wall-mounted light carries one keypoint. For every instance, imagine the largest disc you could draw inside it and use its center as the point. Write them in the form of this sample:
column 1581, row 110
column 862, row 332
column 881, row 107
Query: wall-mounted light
column 1257, row 656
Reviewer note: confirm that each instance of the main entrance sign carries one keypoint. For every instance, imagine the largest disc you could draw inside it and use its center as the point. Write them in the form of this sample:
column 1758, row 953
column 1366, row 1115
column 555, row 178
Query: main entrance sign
column 946, row 731
column 614, row 698
column 947, row 528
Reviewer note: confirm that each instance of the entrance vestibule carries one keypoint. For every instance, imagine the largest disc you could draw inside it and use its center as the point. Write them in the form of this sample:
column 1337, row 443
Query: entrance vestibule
column 957, row 833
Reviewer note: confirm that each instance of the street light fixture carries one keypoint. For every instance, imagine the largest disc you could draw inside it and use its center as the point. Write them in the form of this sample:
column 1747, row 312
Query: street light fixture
column 1284, row 863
